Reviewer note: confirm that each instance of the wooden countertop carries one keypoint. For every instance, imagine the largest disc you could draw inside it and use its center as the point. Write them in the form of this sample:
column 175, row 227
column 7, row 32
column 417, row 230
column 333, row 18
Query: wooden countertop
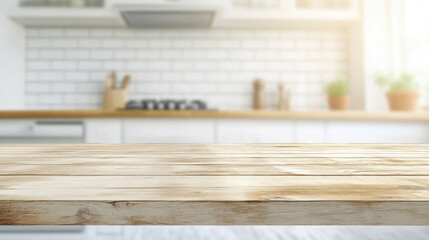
column 214, row 184
column 321, row 115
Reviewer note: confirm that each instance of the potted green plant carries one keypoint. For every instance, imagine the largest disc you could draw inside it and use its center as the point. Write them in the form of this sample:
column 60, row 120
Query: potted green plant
column 402, row 93
column 337, row 92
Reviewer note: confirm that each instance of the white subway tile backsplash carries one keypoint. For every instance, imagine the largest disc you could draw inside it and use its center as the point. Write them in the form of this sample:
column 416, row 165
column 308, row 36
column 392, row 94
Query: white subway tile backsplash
column 153, row 87
column 158, row 65
column 32, row 54
column 171, row 76
column 63, row 87
column 239, row 88
column 205, row 65
column 159, row 43
column 51, row 76
column 29, row 33
column 308, row 44
column 89, row 65
column 32, row 76
column 113, row 65
column 51, row 54
column 217, row 54
column 145, row 76
column 124, row 54
column 182, row 65
column 294, row 54
column 193, row 76
column 335, row 44
column 268, row 55
column 124, row 33
column 171, row 54
column 89, row 43
column 229, row 44
column 63, row 43
column 136, row 43
column 76, row 32
column 194, row 54
column 148, row 33
column 205, row 87
column 102, row 33
column 83, row 99
column 229, row 65
column 54, row 99
column 51, row 32
column 38, row 43
column 66, row 67
column 181, row 87
column 136, row 65
column 76, row 76
column 113, row 43
column 205, row 43
column 254, row 44
column 242, row 54
column 90, row 87
column 183, row 43
column 293, row 76
column 38, row 65
column 149, row 54
column 38, row 87
column 101, row 54
column 254, row 65
column 77, row 54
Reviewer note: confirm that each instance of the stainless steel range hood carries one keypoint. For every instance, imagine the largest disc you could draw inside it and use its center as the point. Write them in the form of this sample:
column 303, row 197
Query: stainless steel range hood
column 168, row 13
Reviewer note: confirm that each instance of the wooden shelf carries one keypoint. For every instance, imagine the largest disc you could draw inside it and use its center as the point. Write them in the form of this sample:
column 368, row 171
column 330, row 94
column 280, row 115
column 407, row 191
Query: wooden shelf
column 321, row 115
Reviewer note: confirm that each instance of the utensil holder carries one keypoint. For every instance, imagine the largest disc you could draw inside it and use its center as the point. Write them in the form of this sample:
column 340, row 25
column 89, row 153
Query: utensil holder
column 114, row 99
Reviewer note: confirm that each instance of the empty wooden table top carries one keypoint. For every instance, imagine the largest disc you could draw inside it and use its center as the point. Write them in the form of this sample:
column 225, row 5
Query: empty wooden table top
column 214, row 184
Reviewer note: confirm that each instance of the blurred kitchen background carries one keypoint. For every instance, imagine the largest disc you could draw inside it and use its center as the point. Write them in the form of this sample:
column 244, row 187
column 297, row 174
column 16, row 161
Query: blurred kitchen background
column 56, row 54
column 213, row 71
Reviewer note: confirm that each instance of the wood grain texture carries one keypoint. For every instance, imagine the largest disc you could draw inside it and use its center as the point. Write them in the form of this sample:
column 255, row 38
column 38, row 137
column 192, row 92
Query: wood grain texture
column 215, row 184
column 320, row 115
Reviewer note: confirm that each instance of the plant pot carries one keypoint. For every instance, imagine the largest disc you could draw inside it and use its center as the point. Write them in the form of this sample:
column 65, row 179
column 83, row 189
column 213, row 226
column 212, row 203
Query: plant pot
column 404, row 100
column 339, row 103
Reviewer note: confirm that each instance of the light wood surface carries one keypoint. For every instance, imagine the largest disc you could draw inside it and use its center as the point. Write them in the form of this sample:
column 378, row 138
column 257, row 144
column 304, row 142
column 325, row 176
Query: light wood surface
column 214, row 184
column 305, row 115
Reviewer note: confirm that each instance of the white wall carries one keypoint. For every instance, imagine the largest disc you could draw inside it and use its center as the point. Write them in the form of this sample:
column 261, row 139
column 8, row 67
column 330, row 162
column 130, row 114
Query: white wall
column 12, row 60
column 66, row 67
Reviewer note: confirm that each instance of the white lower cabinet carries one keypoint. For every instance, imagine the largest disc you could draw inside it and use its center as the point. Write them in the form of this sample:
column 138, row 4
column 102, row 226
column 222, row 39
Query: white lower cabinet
column 255, row 131
column 310, row 131
column 169, row 130
column 376, row 132
column 103, row 130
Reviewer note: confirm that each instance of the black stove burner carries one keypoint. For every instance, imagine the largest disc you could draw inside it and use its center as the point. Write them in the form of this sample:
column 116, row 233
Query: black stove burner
column 152, row 104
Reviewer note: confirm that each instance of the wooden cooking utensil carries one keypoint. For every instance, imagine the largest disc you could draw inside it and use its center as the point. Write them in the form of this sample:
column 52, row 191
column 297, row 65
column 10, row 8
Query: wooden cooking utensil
column 109, row 81
column 126, row 81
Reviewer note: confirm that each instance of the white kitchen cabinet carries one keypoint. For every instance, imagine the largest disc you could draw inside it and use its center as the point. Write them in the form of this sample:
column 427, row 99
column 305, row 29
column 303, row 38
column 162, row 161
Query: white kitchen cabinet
column 376, row 132
column 266, row 13
column 174, row 130
column 255, row 131
column 66, row 16
column 103, row 131
column 310, row 131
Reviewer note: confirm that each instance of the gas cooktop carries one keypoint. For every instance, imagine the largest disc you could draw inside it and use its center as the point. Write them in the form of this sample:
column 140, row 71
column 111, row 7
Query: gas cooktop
column 166, row 104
